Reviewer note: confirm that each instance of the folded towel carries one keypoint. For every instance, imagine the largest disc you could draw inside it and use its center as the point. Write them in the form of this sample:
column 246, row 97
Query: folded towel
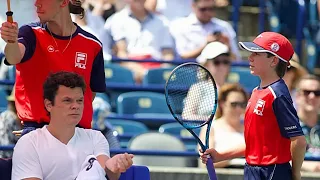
column 91, row 170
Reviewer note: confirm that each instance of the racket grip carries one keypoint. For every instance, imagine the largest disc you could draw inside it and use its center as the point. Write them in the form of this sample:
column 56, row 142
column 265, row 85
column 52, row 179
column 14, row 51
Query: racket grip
column 10, row 20
column 9, row 16
column 211, row 170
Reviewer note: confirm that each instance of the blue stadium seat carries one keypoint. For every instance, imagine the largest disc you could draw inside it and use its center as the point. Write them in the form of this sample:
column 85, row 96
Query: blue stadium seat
column 103, row 96
column 243, row 76
column 141, row 102
column 3, row 100
column 117, row 74
column 127, row 128
column 157, row 76
column 178, row 130
column 136, row 173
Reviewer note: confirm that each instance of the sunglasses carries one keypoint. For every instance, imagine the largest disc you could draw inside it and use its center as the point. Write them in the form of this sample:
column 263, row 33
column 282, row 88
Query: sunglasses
column 203, row 9
column 238, row 104
column 224, row 62
column 307, row 92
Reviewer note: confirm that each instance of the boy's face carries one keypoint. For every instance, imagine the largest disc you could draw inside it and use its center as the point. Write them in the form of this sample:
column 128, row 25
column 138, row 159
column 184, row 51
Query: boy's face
column 308, row 95
column 260, row 63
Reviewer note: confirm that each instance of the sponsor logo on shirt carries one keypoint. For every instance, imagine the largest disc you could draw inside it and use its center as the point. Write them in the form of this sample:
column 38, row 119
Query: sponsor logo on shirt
column 290, row 128
column 258, row 109
column 81, row 60
column 50, row 48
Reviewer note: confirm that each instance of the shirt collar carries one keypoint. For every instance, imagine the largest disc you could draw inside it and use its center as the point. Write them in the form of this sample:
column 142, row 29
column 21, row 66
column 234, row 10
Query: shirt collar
column 192, row 19
column 129, row 13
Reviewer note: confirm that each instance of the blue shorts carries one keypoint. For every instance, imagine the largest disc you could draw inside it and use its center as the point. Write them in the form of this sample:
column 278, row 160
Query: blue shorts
column 270, row 172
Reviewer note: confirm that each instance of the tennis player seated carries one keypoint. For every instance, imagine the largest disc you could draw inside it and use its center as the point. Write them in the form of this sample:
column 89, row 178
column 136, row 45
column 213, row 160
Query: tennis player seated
column 60, row 150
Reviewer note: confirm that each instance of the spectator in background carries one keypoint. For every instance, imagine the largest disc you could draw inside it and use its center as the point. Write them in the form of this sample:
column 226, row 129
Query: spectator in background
column 138, row 34
column 193, row 33
column 293, row 74
column 228, row 126
column 216, row 58
column 9, row 122
column 308, row 105
column 103, row 8
column 101, row 109
column 171, row 9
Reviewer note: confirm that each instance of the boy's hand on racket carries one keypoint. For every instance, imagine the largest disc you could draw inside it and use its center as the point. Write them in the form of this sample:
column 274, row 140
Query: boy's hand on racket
column 9, row 31
column 120, row 163
column 215, row 155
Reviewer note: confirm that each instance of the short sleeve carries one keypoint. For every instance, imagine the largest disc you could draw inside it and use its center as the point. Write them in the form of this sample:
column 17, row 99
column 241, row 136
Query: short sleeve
column 287, row 117
column 26, row 37
column 100, row 143
column 25, row 161
column 97, row 79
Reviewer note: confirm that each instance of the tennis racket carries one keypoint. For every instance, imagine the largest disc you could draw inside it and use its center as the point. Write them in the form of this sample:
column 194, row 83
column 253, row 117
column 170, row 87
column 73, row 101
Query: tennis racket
column 191, row 95
column 9, row 14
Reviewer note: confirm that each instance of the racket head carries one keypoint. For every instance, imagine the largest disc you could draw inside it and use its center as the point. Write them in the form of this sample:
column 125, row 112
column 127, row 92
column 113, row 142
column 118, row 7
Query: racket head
column 191, row 86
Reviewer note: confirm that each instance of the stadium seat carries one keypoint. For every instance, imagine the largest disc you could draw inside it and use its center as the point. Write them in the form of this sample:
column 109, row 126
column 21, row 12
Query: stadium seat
column 243, row 76
column 158, row 141
column 177, row 129
column 128, row 129
column 117, row 74
column 136, row 173
column 3, row 100
column 104, row 96
column 141, row 102
column 157, row 76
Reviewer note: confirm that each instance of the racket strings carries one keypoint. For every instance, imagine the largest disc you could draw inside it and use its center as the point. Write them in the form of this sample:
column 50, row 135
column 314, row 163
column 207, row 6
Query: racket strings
column 193, row 86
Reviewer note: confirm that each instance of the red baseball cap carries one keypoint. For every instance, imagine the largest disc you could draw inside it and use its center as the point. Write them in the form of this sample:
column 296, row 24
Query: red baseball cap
column 271, row 42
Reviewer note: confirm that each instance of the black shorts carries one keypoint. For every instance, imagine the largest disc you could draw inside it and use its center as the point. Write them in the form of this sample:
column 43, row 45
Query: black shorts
column 270, row 172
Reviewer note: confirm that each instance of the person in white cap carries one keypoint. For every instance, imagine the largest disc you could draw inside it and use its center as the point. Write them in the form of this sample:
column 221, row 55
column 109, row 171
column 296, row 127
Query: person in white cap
column 273, row 135
column 61, row 150
column 216, row 58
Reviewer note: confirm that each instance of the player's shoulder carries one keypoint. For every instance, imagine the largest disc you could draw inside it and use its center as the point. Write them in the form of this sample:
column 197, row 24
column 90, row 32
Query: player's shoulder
column 32, row 137
column 88, row 36
column 279, row 88
column 31, row 26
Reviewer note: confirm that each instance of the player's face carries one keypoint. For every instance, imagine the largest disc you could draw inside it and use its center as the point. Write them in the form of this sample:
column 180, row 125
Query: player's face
column 235, row 104
column 204, row 10
column 68, row 105
column 47, row 10
column 259, row 63
column 308, row 95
